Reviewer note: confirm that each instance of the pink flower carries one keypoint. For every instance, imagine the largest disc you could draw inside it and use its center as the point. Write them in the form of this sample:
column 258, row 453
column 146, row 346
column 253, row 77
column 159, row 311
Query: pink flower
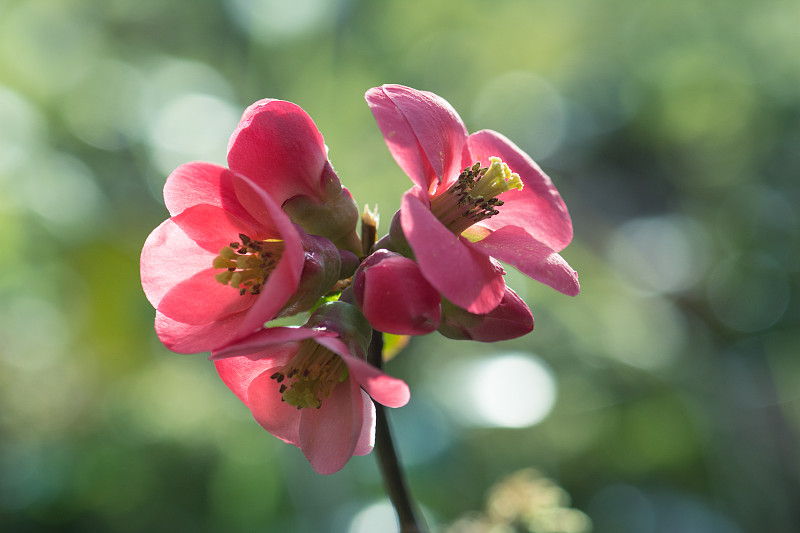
column 509, row 320
column 476, row 197
column 394, row 295
column 227, row 260
column 278, row 146
column 310, row 386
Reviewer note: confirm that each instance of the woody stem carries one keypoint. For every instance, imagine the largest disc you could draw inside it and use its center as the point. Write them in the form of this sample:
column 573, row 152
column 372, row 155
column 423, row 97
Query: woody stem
column 393, row 475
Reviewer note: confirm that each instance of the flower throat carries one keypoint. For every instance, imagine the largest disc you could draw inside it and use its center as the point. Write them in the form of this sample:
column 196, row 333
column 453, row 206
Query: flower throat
column 310, row 376
column 248, row 264
column 473, row 197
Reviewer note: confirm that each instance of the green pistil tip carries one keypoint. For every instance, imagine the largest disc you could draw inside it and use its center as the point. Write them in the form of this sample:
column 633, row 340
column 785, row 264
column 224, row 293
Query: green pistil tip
column 497, row 180
column 302, row 394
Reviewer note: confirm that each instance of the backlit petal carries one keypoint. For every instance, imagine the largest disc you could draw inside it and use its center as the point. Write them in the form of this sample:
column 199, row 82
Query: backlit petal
column 329, row 435
column 366, row 441
column 277, row 417
column 383, row 388
column 538, row 207
column 423, row 132
column 203, row 183
column 462, row 274
column 279, row 147
column 531, row 257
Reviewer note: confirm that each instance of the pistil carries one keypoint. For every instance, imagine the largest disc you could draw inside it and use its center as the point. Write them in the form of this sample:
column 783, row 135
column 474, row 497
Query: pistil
column 248, row 263
column 310, row 376
column 473, row 197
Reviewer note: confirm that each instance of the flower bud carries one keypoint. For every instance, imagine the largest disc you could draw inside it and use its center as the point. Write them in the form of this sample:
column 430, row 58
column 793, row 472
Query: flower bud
column 350, row 263
column 394, row 296
column 509, row 320
column 398, row 238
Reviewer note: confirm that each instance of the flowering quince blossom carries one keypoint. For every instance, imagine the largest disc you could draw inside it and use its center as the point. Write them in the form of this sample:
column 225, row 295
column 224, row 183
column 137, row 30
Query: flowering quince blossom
column 278, row 146
column 394, row 295
column 310, row 386
column 227, row 260
column 475, row 197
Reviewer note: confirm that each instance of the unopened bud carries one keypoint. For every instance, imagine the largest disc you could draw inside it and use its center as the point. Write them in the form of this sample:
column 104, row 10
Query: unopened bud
column 394, row 295
column 509, row 320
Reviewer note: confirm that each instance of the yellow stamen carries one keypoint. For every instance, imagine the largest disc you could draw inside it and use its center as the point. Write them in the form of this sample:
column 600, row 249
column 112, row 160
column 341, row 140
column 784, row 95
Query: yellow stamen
column 310, row 376
column 247, row 264
column 497, row 180
column 473, row 197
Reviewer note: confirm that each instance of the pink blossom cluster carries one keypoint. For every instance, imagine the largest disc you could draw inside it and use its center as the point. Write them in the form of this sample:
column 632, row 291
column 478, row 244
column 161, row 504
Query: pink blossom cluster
column 275, row 234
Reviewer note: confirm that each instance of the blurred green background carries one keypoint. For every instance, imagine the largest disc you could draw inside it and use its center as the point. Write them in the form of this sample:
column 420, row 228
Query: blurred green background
column 664, row 398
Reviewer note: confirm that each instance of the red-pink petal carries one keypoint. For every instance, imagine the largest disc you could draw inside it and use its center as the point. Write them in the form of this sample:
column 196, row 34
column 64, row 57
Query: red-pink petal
column 239, row 372
column 534, row 259
column 366, row 441
column 538, row 207
column 267, row 338
column 203, row 183
column 423, row 132
column 383, row 388
column 168, row 257
column 190, row 338
column 329, row 435
column 279, row 147
column 277, row 417
column 212, row 228
column 202, row 299
column 463, row 275
column 284, row 279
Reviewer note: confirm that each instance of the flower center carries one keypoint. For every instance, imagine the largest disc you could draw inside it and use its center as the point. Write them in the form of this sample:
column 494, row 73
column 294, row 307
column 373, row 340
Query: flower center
column 473, row 197
column 310, row 376
column 248, row 264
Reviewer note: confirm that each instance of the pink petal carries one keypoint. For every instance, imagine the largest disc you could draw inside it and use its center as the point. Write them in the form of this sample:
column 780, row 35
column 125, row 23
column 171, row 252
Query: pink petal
column 176, row 266
column 423, row 132
column 267, row 338
column 463, row 275
column 538, row 208
column 284, row 279
column 211, row 227
column 276, row 416
column 329, row 435
column 239, row 372
column 189, row 338
column 534, row 259
column 203, row 183
column 279, row 147
column 383, row 388
column 168, row 257
column 366, row 441
column 202, row 299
